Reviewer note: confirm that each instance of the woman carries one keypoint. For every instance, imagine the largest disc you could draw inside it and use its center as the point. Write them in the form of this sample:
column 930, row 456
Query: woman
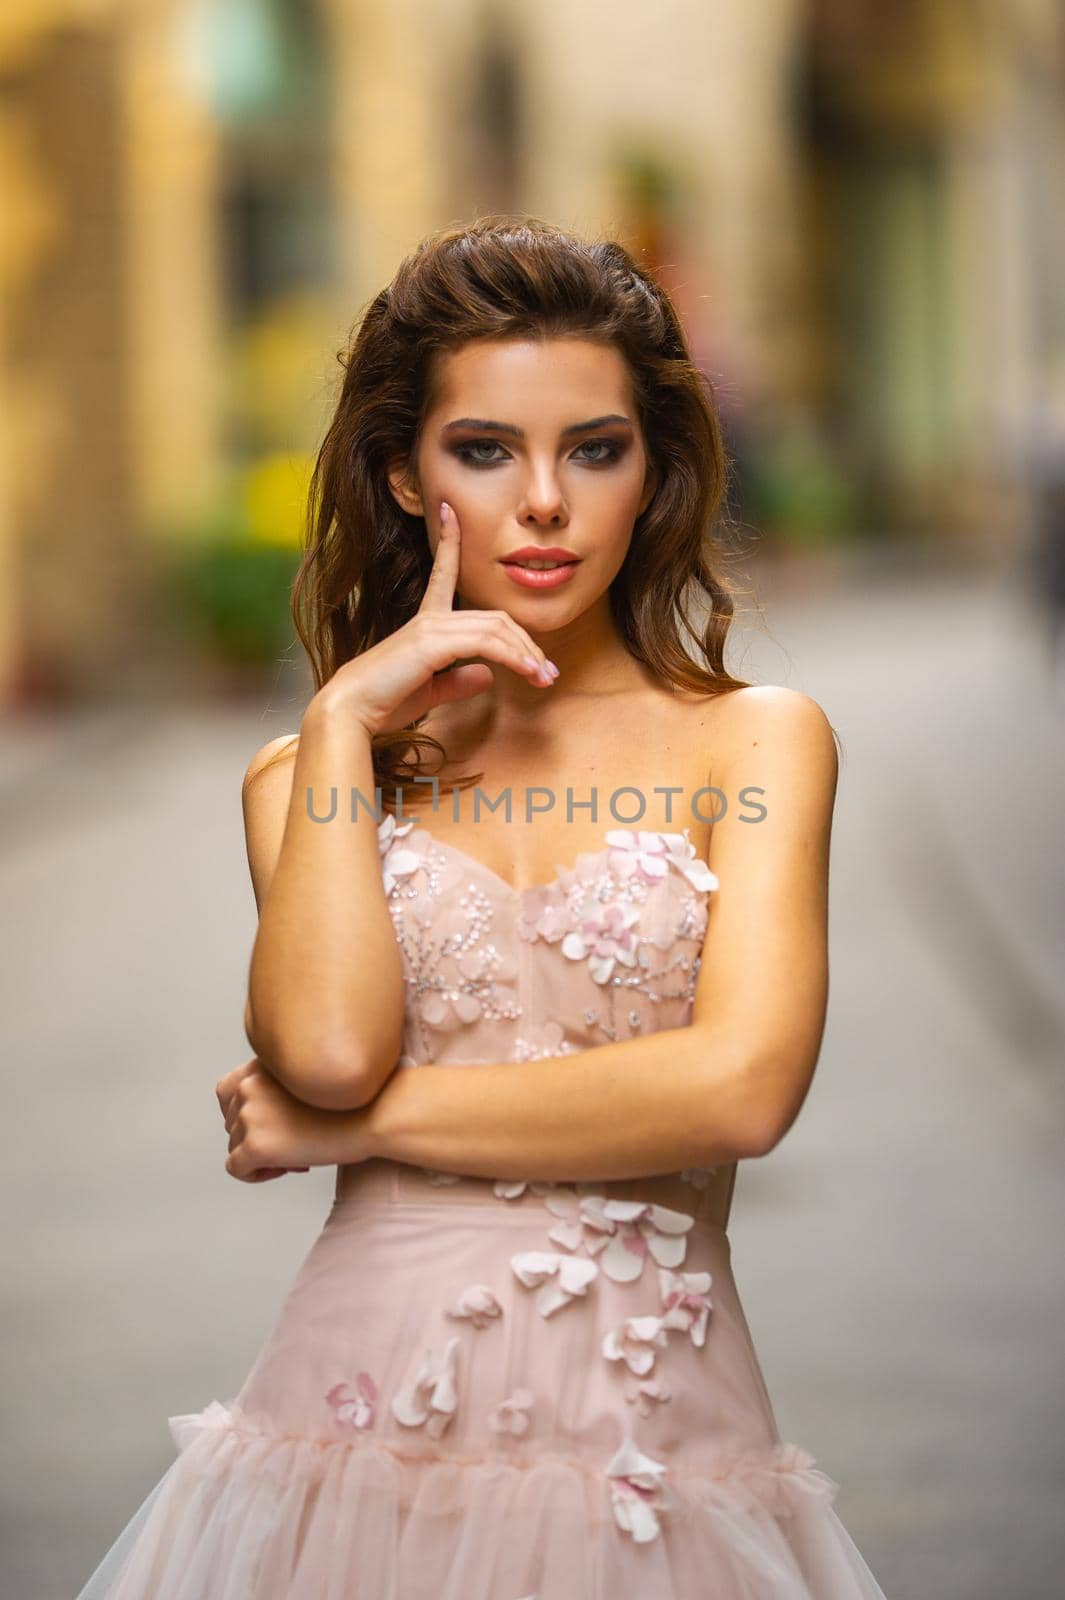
column 514, row 1363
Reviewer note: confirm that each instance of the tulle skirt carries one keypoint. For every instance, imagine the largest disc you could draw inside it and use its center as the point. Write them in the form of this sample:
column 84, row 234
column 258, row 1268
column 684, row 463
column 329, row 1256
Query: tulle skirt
column 494, row 1392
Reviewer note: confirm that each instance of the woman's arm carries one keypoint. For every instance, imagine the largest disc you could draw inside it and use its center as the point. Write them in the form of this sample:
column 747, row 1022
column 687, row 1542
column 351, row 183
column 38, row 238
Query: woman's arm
column 325, row 966
column 325, row 991
column 727, row 1086
column 643, row 1106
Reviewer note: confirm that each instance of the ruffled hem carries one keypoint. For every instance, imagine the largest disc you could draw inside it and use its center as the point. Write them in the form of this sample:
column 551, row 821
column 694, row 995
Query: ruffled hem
column 775, row 1476
column 273, row 1516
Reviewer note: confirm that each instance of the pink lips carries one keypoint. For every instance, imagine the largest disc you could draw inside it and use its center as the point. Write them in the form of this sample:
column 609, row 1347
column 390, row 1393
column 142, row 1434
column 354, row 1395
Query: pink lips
column 544, row 578
column 535, row 552
column 539, row 578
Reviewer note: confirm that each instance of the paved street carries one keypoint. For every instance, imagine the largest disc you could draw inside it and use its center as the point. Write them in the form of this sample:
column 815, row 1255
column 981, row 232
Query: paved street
column 898, row 1254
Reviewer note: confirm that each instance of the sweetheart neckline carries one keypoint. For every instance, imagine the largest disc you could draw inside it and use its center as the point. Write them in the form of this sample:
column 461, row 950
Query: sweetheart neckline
column 560, row 868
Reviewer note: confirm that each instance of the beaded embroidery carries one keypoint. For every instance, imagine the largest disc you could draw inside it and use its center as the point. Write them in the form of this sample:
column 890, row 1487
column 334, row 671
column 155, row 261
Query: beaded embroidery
column 605, row 913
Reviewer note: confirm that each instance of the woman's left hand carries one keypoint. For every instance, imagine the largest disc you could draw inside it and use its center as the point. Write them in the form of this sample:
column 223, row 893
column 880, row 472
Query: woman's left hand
column 271, row 1132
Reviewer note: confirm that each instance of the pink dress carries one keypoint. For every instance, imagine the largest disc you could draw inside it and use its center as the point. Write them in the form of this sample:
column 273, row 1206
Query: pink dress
column 499, row 1390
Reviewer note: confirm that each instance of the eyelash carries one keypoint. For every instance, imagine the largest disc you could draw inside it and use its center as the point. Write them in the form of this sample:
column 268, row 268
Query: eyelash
column 464, row 452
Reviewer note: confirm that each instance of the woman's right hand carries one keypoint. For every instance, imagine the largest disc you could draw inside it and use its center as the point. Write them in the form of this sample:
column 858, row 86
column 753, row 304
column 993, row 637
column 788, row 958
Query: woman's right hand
column 404, row 676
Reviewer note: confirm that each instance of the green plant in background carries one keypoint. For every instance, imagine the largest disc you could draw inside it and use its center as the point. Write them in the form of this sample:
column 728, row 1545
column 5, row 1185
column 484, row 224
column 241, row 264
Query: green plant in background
column 232, row 567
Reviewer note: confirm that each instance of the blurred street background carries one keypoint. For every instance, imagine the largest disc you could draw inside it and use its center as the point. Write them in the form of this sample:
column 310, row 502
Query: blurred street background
column 858, row 207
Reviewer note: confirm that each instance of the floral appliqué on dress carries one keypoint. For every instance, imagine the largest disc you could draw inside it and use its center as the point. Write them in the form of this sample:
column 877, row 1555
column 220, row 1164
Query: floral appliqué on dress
column 604, row 916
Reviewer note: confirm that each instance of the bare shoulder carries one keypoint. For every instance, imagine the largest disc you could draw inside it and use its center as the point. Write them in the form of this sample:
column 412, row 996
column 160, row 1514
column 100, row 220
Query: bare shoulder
column 274, row 759
column 266, row 796
column 769, row 717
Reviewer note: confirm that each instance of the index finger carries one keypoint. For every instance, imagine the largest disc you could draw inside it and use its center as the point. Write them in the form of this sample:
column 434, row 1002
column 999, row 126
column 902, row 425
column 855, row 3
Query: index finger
column 440, row 590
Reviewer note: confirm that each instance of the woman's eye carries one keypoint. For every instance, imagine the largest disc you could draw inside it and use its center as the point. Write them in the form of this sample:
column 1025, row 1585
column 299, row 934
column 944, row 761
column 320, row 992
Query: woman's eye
column 609, row 451
column 612, row 450
column 466, row 452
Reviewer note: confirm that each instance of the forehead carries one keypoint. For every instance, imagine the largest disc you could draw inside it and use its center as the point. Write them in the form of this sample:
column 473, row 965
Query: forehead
column 502, row 377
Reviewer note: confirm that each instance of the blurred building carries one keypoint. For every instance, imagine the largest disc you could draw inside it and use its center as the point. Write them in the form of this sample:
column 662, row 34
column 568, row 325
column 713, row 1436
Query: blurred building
column 852, row 201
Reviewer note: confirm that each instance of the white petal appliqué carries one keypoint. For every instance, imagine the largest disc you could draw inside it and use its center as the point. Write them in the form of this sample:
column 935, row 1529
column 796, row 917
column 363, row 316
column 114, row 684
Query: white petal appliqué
column 514, row 1188
column 512, row 1415
column 686, row 1302
column 645, row 1394
column 667, row 1251
column 478, row 1304
column 635, row 1343
column 431, row 1398
column 637, row 1492
column 624, row 1232
column 698, row 873
column 567, row 1234
column 624, row 1253
column 397, row 862
column 560, row 1278
column 564, row 1201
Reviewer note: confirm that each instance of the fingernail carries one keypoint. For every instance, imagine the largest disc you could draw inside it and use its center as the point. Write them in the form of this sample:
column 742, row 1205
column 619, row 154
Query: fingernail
column 444, row 510
column 554, row 670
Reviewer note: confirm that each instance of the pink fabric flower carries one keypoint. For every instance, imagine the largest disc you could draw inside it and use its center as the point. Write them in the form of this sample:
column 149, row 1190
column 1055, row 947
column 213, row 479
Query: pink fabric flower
column 635, row 853
column 478, row 1304
column 645, row 1394
column 430, row 1399
column 635, row 1343
column 512, row 1415
column 544, row 914
column 603, row 936
column 637, row 1492
column 686, row 1302
column 623, row 1232
column 355, row 1410
column 447, row 1005
column 559, row 1279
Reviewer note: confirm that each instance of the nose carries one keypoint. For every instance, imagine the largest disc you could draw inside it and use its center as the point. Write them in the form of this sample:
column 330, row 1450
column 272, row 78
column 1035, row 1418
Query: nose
column 543, row 503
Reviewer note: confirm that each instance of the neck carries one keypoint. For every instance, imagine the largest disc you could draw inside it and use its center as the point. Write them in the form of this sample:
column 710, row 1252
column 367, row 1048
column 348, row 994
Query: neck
column 592, row 660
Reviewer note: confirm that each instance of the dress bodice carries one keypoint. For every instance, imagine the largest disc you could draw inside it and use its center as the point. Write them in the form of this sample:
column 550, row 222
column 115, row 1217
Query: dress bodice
column 609, row 949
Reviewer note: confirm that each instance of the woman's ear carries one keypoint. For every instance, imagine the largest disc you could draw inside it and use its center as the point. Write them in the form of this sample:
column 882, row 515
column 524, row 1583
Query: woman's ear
column 405, row 491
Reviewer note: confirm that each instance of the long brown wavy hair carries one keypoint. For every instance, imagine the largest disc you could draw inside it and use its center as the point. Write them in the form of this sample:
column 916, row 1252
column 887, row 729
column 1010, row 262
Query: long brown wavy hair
column 367, row 562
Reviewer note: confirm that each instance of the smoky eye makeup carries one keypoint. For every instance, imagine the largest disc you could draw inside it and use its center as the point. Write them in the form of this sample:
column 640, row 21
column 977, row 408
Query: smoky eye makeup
column 599, row 452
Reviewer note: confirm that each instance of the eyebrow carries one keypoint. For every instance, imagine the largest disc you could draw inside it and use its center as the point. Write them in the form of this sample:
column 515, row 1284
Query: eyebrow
column 519, row 433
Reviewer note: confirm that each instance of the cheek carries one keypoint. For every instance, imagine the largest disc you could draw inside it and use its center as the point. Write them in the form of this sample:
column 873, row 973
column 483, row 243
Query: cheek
column 616, row 495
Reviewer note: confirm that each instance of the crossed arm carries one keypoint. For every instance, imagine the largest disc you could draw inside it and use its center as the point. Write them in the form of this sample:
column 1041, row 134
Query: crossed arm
column 724, row 1088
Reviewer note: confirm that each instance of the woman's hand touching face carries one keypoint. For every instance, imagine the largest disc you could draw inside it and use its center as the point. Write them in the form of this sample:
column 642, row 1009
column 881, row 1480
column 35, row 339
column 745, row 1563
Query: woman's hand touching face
column 402, row 677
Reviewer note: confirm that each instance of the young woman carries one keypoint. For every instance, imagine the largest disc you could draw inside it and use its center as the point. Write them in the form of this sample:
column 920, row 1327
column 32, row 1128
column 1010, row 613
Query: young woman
column 535, row 1013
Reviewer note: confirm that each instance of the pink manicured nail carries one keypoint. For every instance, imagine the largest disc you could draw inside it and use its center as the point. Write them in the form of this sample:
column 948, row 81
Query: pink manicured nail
column 445, row 511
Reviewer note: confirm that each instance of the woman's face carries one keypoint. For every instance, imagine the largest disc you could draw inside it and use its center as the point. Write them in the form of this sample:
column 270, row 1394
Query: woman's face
column 532, row 443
